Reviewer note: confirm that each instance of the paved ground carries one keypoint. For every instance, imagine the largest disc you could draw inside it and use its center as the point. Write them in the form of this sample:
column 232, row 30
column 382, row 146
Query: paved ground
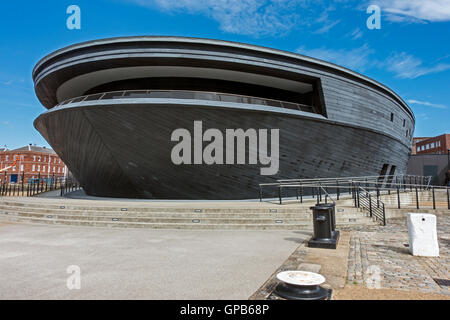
column 384, row 251
column 138, row 264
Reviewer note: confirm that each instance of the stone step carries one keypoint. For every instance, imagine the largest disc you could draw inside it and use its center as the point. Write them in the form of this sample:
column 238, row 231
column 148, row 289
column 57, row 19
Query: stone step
column 121, row 208
column 144, row 211
column 348, row 212
column 165, row 218
column 162, row 225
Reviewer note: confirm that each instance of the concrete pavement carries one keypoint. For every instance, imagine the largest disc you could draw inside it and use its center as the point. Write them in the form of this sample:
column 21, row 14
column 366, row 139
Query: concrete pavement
column 139, row 264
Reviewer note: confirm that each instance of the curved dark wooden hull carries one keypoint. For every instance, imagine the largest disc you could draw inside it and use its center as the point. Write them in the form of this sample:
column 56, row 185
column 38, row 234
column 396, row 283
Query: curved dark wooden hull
column 125, row 150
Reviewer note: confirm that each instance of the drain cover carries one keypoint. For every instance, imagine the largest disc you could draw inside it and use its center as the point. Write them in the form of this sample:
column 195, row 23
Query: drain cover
column 442, row 282
column 62, row 207
column 196, row 221
column 124, row 209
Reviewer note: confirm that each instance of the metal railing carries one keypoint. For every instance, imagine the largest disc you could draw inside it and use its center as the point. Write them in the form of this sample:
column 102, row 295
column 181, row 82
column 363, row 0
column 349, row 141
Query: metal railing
column 398, row 191
column 70, row 185
column 373, row 205
column 188, row 94
column 39, row 185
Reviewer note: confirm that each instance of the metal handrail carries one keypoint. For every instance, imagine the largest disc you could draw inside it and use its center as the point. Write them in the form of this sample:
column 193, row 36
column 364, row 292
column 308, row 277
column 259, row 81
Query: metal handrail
column 202, row 95
column 376, row 179
column 372, row 207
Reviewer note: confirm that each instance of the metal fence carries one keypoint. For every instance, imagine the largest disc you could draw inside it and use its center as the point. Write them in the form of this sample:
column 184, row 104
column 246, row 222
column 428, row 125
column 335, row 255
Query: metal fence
column 38, row 185
column 398, row 191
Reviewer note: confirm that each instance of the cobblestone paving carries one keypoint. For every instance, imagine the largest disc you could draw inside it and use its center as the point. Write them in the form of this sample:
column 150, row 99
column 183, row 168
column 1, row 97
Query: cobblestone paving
column 379, row 257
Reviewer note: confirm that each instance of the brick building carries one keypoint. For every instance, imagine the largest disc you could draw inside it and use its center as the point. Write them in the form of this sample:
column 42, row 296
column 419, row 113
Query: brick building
column 433, row 145
column 30, row 162
column 414, row 143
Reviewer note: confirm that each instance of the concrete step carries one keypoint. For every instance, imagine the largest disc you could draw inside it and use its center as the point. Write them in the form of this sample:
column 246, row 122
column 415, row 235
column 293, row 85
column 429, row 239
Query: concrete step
column 160, row 211
column 344, row 212
column 172, row 225
column 164, row 218
column 120, row 208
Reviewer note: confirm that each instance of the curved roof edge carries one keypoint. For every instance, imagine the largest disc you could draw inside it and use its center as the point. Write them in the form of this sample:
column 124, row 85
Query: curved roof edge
column 224, row 43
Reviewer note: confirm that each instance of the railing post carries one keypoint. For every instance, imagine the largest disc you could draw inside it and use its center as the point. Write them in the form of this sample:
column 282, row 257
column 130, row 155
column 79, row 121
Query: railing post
column 357, row 195
column 337, row 191
column 417, row 198
column 384, row 216
column 318, row 196
column 301, row 193
column 448, row 200
column 370, row 205
column 398, row 196
column 378, row 196
column 279, row 194
column 434, row 198
column 260, row 194
column 320, row 193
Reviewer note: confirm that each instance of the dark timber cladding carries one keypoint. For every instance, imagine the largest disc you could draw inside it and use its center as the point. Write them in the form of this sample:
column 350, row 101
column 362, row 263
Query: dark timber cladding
column 114, row 104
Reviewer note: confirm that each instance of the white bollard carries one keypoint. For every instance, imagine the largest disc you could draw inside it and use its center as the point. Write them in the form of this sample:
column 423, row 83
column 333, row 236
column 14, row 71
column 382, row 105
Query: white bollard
column 422, row 235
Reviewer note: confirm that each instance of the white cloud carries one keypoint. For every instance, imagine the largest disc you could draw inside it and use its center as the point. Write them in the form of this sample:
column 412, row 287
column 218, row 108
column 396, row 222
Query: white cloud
column 249, row 17
column 356, row 34
column 428, row 104
column 406, row 66
column 254, row 17
column 416, row 10
column 357, row 59
column 327, row 27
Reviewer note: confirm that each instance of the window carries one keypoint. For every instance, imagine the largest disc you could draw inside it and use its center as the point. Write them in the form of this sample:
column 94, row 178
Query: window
column 39, row 158
column 427, row 146
column 34, row 158
column 432, row 145
column 404, row 122
column 59, row 170
column 6, row 159
column 54, row 169
column 21, row 167
column 39, row 168
column 438, row 143
column 392, row 117
column 33, row 168
column 43, row 169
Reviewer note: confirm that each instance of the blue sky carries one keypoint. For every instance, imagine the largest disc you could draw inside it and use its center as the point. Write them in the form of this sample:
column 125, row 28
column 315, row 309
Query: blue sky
column 410, row 53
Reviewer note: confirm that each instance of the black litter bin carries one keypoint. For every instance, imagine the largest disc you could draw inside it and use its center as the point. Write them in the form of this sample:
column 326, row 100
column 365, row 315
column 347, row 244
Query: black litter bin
column 324, row 221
